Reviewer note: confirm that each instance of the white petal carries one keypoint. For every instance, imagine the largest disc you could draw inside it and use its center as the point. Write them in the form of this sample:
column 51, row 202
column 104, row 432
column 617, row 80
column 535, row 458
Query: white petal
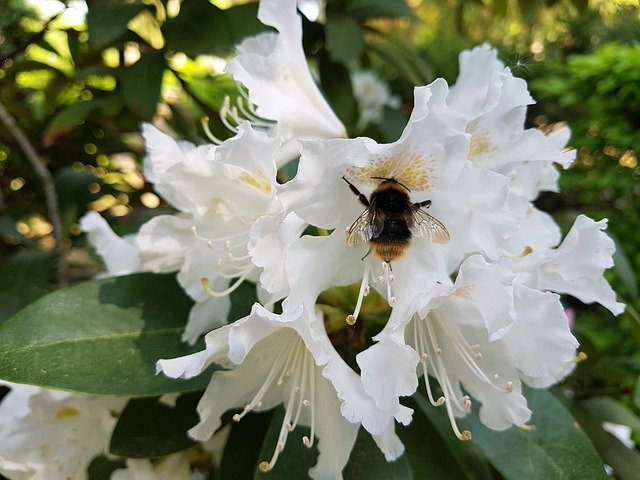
column 578, row 264
column 477, row 89
column 206, row 316
column 389, row 443
column 488, row 288
column 336, row 436
column 270, row 239
column 274, row 69
column 164, row 241
column 540, row 339
column 389, row 372
column 119, row 255
column 331, row 260
column 475, row 211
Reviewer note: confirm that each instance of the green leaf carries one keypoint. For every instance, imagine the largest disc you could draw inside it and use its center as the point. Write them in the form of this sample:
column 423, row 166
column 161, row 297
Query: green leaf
column 26, row 276
column 202, row 28
column 336, row 83
column 625, row 271
column 470, row 460
column 606, row 409
column 68, row 118
column 142, row 83
column 556, row 448
column 107, row 19
column 242, row 450
column 147, row 428
column 101, row 337
column 101, row 468
column 364, row 9
column 624, row 461
column 345, row 40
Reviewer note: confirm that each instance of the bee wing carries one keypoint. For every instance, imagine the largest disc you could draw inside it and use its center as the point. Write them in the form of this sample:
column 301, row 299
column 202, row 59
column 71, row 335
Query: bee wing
column 421, row 224
column 367, row 226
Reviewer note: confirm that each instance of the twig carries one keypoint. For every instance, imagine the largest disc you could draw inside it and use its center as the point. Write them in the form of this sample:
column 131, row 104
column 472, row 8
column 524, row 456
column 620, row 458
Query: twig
column 48, row 186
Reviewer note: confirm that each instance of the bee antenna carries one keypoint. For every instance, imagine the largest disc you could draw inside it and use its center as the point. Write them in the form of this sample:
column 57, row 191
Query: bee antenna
column 391, row 179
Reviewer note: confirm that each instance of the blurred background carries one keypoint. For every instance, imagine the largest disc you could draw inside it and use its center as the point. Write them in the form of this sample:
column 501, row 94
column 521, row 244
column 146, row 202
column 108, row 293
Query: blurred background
column 78, row 78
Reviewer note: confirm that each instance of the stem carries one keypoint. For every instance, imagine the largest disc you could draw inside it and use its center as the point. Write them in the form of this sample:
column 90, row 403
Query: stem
column 48, row 186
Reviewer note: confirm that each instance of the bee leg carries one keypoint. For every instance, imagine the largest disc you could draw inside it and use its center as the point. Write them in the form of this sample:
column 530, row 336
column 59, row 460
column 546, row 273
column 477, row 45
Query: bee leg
column 425, row 204
column 357, row 193
column 366, row 255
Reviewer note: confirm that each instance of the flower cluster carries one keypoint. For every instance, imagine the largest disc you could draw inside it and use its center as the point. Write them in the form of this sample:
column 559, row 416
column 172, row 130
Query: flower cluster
column 440, row 223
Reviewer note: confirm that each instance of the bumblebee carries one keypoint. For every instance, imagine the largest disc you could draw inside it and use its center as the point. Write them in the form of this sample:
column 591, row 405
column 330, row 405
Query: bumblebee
column 391, row 219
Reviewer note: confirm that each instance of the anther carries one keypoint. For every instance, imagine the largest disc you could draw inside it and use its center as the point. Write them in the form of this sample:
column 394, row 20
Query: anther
column 440, row 401
column 367, row 289
column 236, row 417
column 465, row 436
column 351, row 320
column 508, row 387
column 264, row 467
column 306, row 403
column 392, row 301
column 496, row 377
column 307, row 443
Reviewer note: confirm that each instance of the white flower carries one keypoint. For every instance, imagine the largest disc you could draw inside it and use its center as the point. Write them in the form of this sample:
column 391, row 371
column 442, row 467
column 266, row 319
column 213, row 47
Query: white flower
column 51, row 435
column 288, row 359
column 495, row 103
column 273, row 67
column 219, row 192
column 372, row 95
column 483, row 336
column 576, row 267
column 429, row 161
column 172, row 467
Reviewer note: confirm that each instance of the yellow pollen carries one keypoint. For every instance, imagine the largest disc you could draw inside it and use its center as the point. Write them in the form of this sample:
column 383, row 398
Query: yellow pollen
column 259, row 180
column 264, row 467
column 528, row 428
column 409, row 168
column 351, row 320
column 465, row 436
column 480, row 145
column 67, row 412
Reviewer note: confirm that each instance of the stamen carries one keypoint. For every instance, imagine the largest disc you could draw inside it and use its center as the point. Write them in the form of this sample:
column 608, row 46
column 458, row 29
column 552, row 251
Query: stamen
column 364, row 290
column 204, row 121
column 232, row 288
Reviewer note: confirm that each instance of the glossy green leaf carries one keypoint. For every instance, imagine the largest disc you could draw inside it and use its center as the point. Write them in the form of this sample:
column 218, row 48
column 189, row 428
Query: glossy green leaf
column 554, row 448
column 345, row 40
column 107, row 19
column 142, row 83
column 100, row 337
column 243, row 447
column 101, row 468
column 26, row 276
column 624, row 461
column 147, row 428
column 606, row 409
column 471, row 462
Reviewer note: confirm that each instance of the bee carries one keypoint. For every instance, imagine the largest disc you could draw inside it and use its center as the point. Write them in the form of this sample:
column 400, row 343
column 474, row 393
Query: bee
column 391, row 219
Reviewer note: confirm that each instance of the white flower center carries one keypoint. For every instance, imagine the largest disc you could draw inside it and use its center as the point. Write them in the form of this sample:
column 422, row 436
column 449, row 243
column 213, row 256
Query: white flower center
column 234, row 263
column 430, row 350
column 294, row 369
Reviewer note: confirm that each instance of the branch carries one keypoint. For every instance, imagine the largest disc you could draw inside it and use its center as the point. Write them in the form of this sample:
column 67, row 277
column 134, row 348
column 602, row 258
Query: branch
column 48, row 186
